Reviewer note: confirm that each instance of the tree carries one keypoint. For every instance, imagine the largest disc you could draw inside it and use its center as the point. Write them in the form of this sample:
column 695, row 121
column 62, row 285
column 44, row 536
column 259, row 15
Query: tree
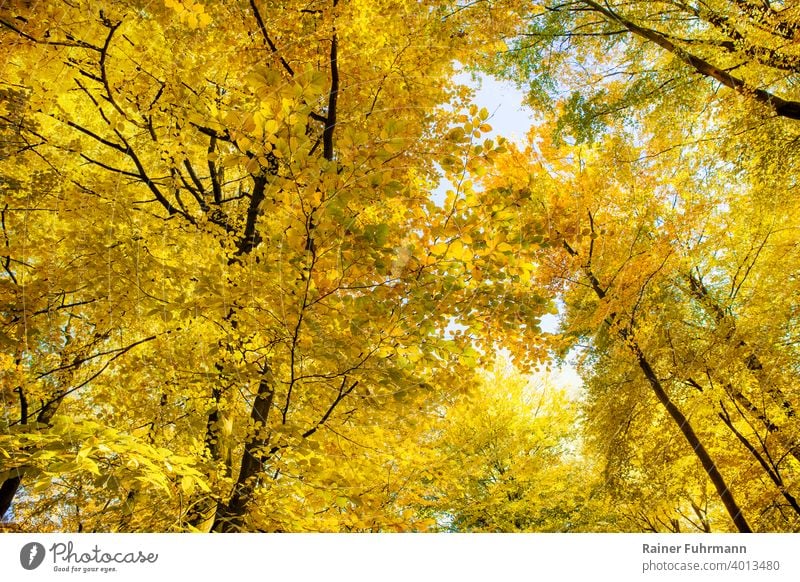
column 239, row 233
column 508, row 459
column 229, row 301
column 650, row 52
column 629, row 243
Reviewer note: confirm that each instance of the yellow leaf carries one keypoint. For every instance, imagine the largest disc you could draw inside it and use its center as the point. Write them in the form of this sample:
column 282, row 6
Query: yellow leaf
column 439, row 249
column 187, row 485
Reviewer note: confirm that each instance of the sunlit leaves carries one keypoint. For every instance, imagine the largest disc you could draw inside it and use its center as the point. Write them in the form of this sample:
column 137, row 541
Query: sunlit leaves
column 254, row 257
column 230, row 282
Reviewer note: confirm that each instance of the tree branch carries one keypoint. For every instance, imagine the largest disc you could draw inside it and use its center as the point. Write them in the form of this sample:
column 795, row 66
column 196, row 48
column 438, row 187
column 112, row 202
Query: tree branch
column 342, row 393
column 93, row 135
column 47, row 410
column 262, row 27
column 110, row 168
column 250, row 239
column 781, row 107
column 230, row 516
column 7, row 259
column 333, row 96
column 74, row 44
column 774, row 477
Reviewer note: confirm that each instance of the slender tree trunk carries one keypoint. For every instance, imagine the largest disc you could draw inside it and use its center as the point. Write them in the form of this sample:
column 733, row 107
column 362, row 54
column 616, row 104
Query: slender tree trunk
column 782, row 107
column 7, row 492
column 710, row 467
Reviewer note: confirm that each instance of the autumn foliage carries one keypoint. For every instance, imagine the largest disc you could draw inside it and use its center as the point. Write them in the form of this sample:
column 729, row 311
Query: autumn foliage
column 264, row 269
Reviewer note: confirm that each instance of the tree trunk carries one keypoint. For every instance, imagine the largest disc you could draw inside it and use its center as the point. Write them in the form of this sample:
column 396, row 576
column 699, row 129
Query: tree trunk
column 694, row 441
column 230, row 516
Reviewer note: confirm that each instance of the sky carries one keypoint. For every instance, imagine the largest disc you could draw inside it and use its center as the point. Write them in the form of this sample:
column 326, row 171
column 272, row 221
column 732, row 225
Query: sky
column 509, row 117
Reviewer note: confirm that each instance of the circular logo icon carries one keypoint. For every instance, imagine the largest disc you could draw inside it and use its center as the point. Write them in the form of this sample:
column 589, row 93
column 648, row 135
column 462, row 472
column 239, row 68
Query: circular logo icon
column 31, row 555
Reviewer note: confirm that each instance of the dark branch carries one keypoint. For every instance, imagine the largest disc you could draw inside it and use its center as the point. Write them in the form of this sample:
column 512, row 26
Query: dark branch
column 149, row 182
column 93, row 135
column 342, row 393
column 268, row 40
column 112, row 28
column 46, row 410
column 74, row 44
column 23, row 405
column 7, row 258
column 251, row 238
column 216, row 188
column 109, row 168
column 198, row 191
column 333, row 96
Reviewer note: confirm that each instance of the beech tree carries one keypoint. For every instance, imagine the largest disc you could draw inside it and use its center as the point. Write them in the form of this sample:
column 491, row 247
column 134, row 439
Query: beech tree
column 241, row 234
column 661, row 271
column 262, row 267
column 639, row 55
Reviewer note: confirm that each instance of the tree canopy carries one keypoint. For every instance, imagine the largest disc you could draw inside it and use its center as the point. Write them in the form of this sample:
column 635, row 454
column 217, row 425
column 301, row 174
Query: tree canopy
column 264, row 270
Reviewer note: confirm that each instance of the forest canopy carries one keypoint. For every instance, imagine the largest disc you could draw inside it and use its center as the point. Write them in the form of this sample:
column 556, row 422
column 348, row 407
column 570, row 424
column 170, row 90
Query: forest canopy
column 267, row 268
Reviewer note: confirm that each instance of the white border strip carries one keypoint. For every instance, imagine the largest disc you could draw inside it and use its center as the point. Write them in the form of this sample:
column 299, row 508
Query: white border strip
column 407, row 557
